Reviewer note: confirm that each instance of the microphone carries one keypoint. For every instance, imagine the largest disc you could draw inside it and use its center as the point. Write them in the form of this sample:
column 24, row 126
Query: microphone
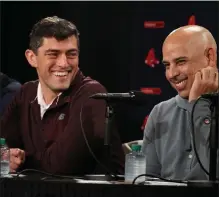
column 135, row 96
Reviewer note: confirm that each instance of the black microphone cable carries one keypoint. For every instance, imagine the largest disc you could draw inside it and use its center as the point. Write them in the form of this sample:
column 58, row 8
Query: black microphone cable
column 157, row 177
column 46, row 173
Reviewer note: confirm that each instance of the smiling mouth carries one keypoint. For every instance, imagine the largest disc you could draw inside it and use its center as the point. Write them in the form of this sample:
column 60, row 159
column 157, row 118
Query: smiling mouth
column 61, row 73
column 180, row 85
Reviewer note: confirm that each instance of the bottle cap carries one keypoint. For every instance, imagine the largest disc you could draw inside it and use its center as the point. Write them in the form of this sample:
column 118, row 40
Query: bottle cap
column 2, row 141
column 136, row 147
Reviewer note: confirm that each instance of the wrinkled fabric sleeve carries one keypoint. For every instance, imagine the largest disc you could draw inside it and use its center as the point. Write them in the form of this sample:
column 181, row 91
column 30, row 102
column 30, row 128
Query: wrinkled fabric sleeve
column 153, row 166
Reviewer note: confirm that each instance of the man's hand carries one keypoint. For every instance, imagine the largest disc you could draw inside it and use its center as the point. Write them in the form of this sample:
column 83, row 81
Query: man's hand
column 17, row 158
column 206, row 81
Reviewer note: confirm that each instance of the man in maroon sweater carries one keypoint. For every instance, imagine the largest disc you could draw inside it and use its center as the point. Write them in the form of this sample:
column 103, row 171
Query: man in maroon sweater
column 44, row 124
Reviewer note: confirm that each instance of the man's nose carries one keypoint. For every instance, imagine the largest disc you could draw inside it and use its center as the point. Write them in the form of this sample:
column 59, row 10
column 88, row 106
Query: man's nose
column 173, row 71
column 62, row 61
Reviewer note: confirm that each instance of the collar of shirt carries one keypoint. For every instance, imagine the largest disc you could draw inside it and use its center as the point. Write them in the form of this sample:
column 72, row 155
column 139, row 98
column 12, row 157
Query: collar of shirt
column 41, row 101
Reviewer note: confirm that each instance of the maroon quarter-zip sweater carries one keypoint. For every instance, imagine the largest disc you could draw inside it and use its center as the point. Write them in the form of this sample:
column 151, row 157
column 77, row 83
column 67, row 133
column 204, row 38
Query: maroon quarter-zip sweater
column 56, row 143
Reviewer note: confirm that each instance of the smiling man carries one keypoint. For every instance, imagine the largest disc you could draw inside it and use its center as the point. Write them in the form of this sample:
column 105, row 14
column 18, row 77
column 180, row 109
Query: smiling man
column 190, row 59
column 45, row 125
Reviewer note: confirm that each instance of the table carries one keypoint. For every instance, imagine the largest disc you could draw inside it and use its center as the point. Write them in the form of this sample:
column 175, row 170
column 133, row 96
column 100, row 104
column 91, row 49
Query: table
column 28, row 187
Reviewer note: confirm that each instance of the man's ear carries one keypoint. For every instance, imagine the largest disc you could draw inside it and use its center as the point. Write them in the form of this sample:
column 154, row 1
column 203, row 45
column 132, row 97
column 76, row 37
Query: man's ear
column 31, row 58
column 211, row 56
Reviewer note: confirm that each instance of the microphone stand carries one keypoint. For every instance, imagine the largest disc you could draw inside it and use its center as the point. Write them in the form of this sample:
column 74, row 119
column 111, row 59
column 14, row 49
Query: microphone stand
column 107, row 136
column 108, row 176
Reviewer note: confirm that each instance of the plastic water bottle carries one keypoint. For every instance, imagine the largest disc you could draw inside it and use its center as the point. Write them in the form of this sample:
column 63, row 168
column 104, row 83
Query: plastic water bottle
column 135, row 164
column 5, row 158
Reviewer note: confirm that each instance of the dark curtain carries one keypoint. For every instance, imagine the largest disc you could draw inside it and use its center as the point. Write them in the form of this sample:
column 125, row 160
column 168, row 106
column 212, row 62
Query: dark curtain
column 114, row 45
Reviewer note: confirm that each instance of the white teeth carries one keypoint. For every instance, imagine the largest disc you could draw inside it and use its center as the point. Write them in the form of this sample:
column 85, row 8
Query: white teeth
column 60, row 74
column 180, row 83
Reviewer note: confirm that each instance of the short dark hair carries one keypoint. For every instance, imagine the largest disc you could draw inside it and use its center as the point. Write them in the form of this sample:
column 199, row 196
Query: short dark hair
column 51, row 27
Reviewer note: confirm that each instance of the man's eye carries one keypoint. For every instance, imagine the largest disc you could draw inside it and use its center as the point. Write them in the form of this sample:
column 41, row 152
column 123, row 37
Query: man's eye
column 166, row 66
column 181, row 62
column 51, row 54
column 73, row 54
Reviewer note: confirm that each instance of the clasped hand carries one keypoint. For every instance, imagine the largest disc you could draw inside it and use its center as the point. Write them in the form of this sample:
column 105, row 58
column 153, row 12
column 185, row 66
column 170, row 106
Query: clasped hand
column 206, row 81
column 17, row 158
